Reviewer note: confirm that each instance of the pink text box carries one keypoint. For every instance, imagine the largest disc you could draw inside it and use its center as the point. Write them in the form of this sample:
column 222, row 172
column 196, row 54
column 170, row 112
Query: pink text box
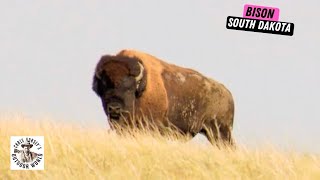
column 261, row 12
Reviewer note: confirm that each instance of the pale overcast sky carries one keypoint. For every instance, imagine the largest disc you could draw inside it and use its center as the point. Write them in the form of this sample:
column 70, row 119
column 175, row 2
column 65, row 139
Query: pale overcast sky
column 49, row 50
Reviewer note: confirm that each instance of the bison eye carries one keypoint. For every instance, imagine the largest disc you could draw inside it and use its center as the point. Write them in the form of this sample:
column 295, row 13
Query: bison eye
column 107, row 83
column 128, row 82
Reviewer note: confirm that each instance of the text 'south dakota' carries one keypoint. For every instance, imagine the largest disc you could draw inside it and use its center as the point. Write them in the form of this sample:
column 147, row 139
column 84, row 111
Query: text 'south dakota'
column 254, row 25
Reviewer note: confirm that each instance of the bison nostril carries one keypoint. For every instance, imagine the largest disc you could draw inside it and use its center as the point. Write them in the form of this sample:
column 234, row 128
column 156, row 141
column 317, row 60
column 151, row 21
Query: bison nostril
column 117, row 109
column 114, row 108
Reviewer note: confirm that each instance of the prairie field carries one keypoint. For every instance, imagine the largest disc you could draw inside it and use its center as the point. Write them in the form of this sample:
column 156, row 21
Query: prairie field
column 77, row 151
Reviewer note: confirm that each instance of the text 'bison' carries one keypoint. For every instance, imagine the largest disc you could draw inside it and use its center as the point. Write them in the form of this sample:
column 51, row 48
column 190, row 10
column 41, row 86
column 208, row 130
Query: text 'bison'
column 136, row 83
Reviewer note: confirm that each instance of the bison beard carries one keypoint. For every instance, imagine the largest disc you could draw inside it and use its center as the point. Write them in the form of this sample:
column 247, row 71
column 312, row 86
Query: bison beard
column 133, row 84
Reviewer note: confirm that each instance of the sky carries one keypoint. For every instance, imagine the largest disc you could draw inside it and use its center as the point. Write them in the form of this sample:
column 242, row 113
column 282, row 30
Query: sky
column 49, row 50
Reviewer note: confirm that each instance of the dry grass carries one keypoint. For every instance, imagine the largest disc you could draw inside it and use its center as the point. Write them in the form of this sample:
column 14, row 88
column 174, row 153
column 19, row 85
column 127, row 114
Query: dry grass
column 74, row 152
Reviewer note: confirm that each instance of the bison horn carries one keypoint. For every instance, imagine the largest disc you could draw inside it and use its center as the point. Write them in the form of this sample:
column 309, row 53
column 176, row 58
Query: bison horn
column 139, row 77
column 97, row 75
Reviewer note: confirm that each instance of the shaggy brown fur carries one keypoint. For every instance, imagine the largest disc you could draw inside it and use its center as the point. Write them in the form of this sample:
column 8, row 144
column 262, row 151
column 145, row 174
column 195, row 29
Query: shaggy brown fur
column 190, row 101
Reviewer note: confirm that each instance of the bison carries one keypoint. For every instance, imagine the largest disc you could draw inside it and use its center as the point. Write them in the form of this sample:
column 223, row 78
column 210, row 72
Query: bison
column 133, row 82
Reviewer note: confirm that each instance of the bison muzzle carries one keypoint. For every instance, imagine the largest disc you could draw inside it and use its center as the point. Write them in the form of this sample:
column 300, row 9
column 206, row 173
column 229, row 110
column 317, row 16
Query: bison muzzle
column 135, row 84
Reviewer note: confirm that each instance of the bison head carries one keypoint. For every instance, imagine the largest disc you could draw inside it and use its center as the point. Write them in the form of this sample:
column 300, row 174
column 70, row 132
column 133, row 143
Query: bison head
column 119, row 81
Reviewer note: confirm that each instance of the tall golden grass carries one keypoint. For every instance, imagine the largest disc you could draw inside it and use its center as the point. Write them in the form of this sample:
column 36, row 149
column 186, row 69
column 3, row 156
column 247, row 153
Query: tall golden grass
column 78, row 152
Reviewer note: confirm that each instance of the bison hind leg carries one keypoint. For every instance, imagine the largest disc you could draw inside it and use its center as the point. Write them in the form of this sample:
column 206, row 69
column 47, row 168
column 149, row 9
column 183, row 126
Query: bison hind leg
column 226, row 136
column 218, row 135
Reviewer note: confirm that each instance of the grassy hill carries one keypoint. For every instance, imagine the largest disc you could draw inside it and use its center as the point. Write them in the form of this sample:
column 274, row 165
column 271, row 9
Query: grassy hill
column 78, row 152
